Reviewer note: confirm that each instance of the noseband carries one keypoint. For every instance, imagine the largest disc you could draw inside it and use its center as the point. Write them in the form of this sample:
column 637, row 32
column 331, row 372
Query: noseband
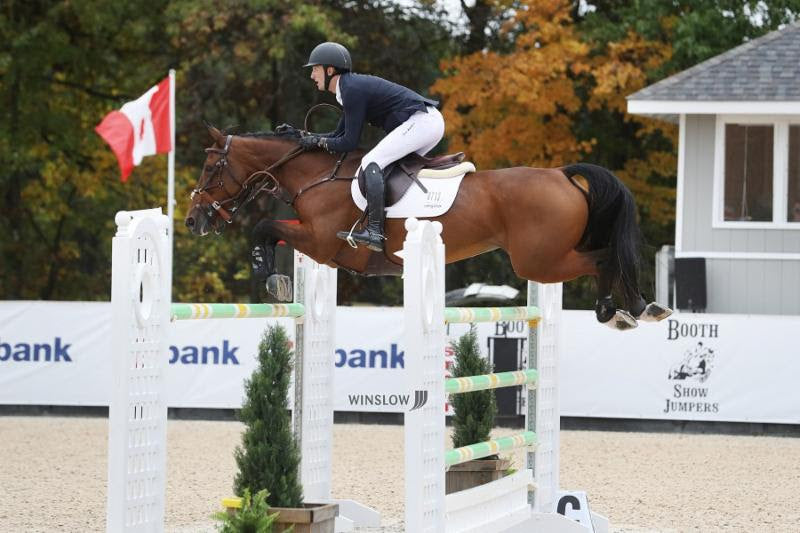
column 256, row 183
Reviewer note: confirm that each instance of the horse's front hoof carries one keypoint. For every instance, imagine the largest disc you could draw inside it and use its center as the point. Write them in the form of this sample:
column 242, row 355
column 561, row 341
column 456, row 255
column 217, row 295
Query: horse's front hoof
column 280, row 287
column 258, row 262
column 655, row 312
column 621, row 321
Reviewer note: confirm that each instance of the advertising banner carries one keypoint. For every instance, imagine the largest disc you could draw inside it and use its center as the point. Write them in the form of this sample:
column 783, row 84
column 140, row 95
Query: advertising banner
column 688, row 367
column 737, row 368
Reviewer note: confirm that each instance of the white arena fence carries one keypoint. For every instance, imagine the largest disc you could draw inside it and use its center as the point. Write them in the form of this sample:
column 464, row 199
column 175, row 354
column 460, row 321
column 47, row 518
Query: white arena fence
column 141, row 315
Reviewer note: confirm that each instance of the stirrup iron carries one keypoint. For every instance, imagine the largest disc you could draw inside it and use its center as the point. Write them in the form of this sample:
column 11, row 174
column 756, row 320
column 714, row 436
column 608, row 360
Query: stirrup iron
column 349, row 237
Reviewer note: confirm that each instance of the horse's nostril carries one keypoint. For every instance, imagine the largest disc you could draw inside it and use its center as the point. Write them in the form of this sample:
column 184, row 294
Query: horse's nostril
column 190, row 222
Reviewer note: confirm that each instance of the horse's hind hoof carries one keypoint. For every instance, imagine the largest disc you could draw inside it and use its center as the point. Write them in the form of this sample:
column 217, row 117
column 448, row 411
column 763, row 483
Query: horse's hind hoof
column 655, row 312
column 280, row 287
column 621, row 321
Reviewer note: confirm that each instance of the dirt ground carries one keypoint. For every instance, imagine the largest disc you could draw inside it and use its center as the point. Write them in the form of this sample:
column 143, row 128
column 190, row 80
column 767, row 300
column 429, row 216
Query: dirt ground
column 53, row 475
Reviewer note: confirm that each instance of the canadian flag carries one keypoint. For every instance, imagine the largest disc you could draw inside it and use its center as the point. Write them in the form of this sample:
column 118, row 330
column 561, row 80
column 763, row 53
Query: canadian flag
column 139, row 128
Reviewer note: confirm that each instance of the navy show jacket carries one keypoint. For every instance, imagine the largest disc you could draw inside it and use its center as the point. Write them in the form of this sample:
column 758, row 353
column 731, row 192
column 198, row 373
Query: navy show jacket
column 380, row 103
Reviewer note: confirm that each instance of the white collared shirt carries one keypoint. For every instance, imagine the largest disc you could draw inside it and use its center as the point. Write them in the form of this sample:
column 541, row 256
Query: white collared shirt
column 338, row 95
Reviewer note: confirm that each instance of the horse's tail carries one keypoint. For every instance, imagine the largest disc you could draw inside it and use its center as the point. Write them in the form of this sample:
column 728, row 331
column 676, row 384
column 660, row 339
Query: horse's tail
column 612, row 224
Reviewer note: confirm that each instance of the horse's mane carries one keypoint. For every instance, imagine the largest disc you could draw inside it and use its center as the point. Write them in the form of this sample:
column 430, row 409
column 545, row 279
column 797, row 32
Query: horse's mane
column 290, row 133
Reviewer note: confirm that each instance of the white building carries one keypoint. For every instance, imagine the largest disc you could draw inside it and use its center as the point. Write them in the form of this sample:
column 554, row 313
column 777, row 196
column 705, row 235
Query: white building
column 738, row 196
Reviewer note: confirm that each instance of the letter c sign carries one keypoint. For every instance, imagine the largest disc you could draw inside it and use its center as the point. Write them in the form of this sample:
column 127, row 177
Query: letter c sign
column 569, row 499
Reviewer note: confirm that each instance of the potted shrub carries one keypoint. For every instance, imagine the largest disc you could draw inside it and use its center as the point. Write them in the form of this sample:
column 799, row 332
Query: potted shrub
column 473, row 419
column 251, row 515
column 268, row 457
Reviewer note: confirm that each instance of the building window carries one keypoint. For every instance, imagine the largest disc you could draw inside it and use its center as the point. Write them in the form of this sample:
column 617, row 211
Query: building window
column 794, row 175
column 757, row 172
column 749, row 172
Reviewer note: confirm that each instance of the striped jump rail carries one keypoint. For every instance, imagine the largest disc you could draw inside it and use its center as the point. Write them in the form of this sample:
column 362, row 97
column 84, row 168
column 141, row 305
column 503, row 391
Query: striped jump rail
column 490, row 381
column 490, row 447
column 201, row 311
column 465, row 315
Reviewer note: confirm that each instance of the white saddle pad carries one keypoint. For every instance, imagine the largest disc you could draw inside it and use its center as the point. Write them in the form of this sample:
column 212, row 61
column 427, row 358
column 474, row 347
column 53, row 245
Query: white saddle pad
column 442, row 188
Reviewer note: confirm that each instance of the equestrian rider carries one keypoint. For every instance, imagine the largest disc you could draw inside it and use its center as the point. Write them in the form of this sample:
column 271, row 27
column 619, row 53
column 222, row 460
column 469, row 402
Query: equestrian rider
column 412, row 124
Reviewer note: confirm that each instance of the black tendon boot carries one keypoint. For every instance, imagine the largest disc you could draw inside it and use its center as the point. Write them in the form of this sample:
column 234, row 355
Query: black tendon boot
column 372, row 236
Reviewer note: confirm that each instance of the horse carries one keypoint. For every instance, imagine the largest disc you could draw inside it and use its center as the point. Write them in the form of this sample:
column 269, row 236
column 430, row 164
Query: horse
column 556, row 224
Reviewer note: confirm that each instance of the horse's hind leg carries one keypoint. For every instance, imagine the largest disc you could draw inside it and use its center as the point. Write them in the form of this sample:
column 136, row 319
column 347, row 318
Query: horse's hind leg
column 637, row 306
column 604, row 309
column 639, row 309
column 654, row 312
column 648, row 312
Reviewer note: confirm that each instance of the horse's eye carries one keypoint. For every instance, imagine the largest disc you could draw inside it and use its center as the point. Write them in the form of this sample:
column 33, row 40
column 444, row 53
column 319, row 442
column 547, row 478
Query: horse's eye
column 209, row 168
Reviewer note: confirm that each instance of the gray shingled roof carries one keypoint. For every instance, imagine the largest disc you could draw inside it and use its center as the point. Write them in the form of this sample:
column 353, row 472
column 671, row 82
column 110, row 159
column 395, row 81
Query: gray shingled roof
column 764, row 69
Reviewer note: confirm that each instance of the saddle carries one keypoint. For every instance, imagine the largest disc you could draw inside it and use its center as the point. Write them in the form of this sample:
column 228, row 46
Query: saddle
column 402, row 173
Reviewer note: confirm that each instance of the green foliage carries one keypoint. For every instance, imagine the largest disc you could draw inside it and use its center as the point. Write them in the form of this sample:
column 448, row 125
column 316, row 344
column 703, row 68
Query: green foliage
column 630, row 44
column 644, row 152
column 238, row 65
column 58, row 202
column 474, row 412
column 269, row 457
column 241, row 64
column 253, row 517
column 65, row 64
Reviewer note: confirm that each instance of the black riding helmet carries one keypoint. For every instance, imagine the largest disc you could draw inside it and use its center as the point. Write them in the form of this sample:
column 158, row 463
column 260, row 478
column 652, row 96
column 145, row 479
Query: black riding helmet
column 330, row 54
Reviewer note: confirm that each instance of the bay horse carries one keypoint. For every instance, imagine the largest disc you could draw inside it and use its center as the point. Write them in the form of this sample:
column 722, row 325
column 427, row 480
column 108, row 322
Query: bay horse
column 554, row 226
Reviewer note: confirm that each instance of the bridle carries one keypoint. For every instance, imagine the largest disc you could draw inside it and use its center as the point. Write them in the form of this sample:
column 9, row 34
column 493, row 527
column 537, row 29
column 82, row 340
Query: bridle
column 256, row 183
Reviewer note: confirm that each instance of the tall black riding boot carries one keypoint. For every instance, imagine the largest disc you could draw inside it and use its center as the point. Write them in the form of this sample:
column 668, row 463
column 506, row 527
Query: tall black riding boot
column 372, row 236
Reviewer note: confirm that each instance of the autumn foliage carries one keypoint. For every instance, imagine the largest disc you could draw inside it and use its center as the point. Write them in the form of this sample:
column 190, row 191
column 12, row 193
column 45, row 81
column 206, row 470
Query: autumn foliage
column 524, row 82
column 514, row 109
column 520, row 108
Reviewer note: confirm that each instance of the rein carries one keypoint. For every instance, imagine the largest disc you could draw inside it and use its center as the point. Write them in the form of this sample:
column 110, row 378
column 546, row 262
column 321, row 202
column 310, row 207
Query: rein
column 256, row 183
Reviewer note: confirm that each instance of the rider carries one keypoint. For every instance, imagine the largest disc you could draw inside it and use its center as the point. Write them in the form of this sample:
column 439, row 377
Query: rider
column 411, row 121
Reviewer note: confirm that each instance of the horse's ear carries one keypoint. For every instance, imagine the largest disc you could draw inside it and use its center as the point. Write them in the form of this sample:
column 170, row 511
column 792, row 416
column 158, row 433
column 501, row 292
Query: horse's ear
column 214, row 132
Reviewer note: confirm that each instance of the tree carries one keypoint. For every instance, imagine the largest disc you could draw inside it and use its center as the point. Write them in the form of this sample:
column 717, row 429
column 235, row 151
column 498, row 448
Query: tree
column 58, row 211
column 241, row 62
column 507, row 109
column 558, row 95
column 636, row 44
column 269, row 457
column 474, row 412
column 514, row 109
column 59, row 181
column 547, row 79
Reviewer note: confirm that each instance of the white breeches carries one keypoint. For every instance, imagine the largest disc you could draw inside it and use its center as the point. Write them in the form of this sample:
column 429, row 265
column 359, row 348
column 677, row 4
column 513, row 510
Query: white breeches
column 420, row 133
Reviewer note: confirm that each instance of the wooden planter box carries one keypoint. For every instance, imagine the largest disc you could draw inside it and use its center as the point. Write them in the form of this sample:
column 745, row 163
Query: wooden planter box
column 311, row 518
column 474, row 473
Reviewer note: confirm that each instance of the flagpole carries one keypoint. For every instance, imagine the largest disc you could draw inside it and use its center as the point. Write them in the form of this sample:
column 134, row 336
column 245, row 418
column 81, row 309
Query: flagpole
column 171, row 172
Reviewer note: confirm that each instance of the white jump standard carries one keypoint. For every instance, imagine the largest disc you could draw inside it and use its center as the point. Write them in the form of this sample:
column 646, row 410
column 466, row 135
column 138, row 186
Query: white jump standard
column 524, row 501
column 141, row 310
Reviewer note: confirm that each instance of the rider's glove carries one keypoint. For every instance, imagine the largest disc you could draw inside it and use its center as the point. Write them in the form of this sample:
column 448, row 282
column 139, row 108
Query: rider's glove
column 312, row 141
